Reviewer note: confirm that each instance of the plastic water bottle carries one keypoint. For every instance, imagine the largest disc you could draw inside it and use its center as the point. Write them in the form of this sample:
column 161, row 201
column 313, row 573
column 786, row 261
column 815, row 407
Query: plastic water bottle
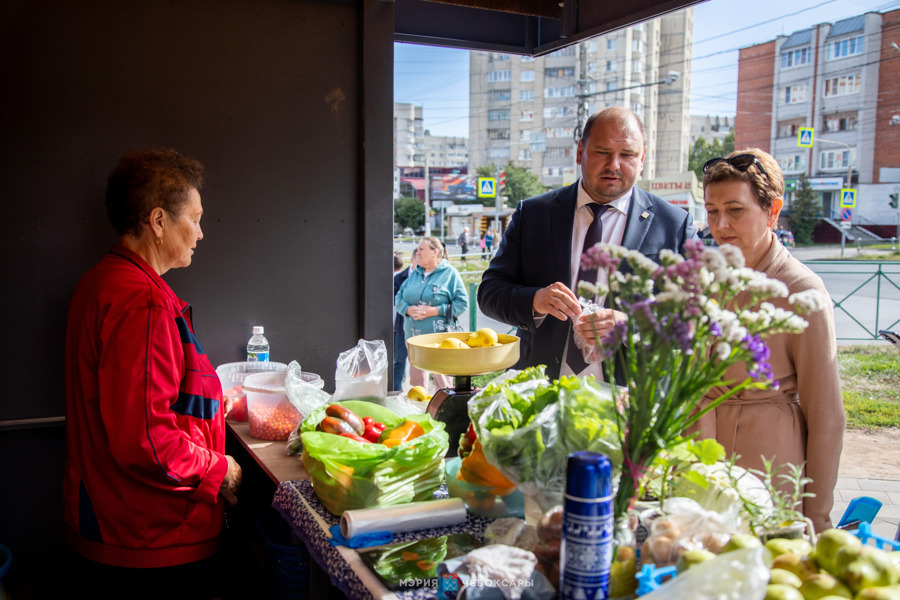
column 587, row 535
column 258, row 346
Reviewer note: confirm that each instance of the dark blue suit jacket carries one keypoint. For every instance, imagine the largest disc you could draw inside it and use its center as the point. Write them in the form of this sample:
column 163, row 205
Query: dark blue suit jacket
column 536, row 251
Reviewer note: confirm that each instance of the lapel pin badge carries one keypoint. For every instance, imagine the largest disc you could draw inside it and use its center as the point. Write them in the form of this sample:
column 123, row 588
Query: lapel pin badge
column 645, row 214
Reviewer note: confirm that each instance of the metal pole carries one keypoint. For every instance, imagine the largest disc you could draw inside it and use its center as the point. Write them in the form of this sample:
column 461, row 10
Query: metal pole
column 497, row 208
column 427, row 200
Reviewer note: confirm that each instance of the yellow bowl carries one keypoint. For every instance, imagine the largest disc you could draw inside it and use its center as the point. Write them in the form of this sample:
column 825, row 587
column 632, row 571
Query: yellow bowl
column 424, row 354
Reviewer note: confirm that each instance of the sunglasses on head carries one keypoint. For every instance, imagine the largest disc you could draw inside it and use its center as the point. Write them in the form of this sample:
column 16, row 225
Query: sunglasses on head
column 741, row 162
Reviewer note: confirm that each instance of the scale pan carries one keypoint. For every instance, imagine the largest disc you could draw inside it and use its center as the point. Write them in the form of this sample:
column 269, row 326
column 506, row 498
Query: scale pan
column 461, row 361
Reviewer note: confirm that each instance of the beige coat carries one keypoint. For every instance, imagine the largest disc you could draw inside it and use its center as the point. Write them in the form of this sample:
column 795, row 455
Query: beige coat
column 802, row 420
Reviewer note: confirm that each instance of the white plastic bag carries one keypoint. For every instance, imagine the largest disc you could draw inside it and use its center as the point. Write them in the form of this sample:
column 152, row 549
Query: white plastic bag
column 589, row 350
column 737, row 575
column 361, row 371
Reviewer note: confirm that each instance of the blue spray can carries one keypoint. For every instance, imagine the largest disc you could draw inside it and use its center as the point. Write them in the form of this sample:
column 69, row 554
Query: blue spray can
column 588, row 527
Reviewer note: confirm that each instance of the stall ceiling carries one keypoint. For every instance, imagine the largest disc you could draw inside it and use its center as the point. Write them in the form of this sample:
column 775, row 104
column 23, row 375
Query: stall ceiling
column 529, row 27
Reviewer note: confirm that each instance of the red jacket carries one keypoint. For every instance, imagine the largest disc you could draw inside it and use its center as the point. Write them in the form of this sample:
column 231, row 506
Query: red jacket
column 145, row 436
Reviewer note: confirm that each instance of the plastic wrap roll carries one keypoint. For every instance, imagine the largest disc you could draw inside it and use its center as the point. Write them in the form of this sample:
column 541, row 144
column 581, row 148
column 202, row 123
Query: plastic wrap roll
column 404, row 517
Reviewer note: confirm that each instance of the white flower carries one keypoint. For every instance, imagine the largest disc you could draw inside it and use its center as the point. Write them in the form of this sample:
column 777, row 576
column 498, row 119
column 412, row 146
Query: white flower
column 723, row 349
column 809, row 301
column 668, row 258
column 733, row 255
column 713, row 259
column 587, row 290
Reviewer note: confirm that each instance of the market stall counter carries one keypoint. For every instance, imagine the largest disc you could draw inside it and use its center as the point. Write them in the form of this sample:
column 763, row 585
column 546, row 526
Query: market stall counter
column 295, row 499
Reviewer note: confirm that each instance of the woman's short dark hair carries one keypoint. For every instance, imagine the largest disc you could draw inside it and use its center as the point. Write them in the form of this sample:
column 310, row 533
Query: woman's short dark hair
column 766, row 185
column 146, row 179
column 398, row 261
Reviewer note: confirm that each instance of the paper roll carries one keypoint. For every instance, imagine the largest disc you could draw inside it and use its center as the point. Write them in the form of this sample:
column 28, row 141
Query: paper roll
column 404, row 517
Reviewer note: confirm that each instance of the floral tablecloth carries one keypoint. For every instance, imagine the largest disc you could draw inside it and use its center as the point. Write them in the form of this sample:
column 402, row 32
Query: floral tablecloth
column 310, row 520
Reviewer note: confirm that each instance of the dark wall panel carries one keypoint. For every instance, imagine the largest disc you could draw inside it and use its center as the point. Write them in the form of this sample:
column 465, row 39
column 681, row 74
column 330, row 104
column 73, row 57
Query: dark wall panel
column 267, row 95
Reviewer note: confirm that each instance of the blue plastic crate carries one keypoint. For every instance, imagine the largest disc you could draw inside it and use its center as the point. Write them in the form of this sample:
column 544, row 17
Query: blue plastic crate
column 287, row 560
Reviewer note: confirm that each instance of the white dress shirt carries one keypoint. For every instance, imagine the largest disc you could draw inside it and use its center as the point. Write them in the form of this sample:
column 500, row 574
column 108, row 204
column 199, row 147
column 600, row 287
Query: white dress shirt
column 614, row 219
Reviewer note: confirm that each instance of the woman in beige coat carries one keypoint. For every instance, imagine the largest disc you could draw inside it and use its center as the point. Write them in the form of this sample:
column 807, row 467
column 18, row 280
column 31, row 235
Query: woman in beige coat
column 803, row 419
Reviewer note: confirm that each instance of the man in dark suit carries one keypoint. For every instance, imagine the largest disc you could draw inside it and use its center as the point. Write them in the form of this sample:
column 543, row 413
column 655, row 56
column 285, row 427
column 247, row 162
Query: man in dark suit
column 400, row 352
column 529, row 282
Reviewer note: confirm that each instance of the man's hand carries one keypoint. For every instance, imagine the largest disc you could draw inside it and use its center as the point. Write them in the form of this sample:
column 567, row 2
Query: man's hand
column 556, row 300
column 232, row 482
column 603, row 322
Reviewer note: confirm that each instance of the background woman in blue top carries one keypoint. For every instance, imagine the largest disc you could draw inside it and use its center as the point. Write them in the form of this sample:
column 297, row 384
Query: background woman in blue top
column 430, row 300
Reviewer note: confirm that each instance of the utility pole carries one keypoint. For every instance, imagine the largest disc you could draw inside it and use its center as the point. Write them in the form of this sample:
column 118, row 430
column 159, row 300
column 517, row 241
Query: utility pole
column 427, row 199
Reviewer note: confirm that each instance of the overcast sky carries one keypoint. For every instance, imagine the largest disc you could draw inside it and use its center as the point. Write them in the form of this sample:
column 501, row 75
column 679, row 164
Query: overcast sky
column 438, row 78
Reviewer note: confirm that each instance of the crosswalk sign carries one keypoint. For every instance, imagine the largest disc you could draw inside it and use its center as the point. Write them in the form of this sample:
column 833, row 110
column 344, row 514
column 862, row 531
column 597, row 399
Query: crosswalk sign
column 805, row 137
column 487, row 187
column 848, row 198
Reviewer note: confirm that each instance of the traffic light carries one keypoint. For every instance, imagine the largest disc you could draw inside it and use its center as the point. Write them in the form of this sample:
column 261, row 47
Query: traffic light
column 894, row 198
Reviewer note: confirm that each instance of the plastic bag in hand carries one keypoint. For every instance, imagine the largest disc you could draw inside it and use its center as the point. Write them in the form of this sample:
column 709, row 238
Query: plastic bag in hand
column 589, row 350
column 361, row 371
column 737, row 575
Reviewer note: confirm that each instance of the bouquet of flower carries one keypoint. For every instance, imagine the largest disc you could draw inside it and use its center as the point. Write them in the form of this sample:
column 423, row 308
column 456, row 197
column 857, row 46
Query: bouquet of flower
column 689, row 319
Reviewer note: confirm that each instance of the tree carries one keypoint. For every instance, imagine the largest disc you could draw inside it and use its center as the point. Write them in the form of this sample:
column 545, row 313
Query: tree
column 410, row 212
column 520, row 183
column 702, row 151
column 805, row 212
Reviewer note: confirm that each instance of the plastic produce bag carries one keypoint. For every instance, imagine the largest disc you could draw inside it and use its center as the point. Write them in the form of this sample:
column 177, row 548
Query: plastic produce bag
column 348, row 475
column 361, row 371
column 305, row 397
column 528, row 429
column 589, row 350
column 737, row 575
column 687, row 526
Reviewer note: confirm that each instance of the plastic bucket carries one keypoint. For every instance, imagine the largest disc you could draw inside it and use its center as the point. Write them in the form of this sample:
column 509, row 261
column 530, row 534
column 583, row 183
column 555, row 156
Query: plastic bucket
column 270, row 412
column 232, row 376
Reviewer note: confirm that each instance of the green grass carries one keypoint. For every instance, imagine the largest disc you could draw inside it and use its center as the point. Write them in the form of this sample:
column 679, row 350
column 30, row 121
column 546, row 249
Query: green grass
column 870, row 384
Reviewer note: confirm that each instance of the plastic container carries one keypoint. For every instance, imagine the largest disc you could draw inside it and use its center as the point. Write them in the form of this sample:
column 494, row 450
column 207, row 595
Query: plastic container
column 286, row 558
column 270, row 412
column 232, row 376
column 258, row 346
column 479, row 499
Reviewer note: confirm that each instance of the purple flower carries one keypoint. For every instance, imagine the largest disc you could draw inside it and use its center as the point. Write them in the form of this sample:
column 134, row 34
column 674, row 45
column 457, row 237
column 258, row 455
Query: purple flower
column 761, row 368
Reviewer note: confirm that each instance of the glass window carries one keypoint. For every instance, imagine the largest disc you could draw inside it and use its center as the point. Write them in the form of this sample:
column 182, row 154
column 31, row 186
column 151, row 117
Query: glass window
column 524, row 154
column 526, row 95
column 792, row 163
column 526, row 76
column 610, row 65
column 502, row 75
column 793, row 94
column 560, row 72
column 498, row 115
column 638, row 45
column 524, row 135
column 834, row 159
column 637, row 66
column 839, row 122
column 611, row 43
column 839, row 86
column 526, row 115
column 843, row 48
column 499, row 153
column 500, row 95
column 498, row 134
column 795, row 57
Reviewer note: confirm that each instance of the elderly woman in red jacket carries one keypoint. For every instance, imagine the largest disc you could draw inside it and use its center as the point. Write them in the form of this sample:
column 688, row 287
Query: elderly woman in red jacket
column 146, row 475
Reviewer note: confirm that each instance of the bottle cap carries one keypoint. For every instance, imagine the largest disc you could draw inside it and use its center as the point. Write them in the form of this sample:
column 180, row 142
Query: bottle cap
column 257, row 330
column 588, row 475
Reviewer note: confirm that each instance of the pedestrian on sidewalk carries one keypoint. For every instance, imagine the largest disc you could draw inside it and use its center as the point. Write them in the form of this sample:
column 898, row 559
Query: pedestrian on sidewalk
column 483, row 244
column 463, row 241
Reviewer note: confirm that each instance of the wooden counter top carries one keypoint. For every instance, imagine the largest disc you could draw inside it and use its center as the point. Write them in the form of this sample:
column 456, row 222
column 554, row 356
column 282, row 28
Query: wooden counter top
column 269, row 456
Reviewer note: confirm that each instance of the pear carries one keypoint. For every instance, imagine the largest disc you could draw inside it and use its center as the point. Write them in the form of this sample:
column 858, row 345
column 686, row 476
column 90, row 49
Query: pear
column 820, row 585
column 779, row 546
column 828, row 544
column 741, row 540
column 778, row 591
column 418, row 393
column 867, row 567
column 782, row 577
column 483, row 338
column 453, row 343
column 879, row 593
column 801, row 566
column 689, row 558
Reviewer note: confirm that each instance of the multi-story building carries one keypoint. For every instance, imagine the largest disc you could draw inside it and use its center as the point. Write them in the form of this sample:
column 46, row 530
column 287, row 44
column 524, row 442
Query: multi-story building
column 841, row 80
column 710, row 128
column 529, row 110
column 445, row 151
column 408, row 135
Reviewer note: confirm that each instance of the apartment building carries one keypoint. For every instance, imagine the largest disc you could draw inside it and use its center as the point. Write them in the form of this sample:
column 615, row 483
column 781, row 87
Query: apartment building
column 408, row 135
column 710, row 128
column 445, row 151
column 529, row 110
column 841, row 80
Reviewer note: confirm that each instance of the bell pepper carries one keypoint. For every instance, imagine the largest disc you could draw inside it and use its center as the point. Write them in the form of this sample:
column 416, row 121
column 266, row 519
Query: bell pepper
column 405, row 431
column 355, row 438
column 476, row 469
column 373, row 429
column 466, row 442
